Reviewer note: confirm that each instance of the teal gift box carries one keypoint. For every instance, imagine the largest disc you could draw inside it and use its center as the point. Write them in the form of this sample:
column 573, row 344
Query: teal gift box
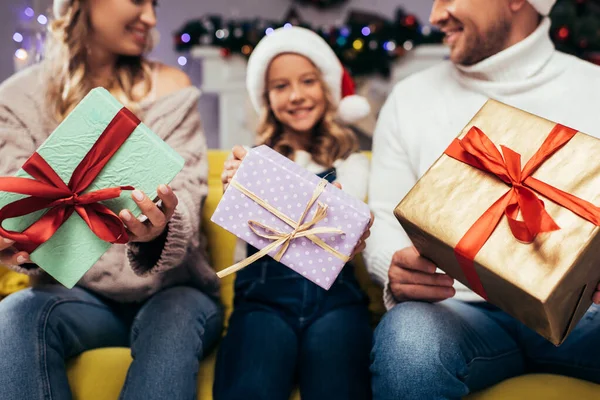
column 143, row 161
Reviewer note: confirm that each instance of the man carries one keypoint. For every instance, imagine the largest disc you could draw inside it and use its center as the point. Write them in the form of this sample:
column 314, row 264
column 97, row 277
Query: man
column 439, row 340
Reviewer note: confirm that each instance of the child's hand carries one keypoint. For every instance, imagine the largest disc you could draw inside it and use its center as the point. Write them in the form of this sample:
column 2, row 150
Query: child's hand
column 231, row 166
column 360, row 246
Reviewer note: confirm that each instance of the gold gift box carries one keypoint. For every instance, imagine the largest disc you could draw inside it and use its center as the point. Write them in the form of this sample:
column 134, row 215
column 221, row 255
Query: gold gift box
column 547, row 284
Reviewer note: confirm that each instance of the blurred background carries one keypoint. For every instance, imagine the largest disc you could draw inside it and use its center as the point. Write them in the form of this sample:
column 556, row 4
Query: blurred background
column 379, row 41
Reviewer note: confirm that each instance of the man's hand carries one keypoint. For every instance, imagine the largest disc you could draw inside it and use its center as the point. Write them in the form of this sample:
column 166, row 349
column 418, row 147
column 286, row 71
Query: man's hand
column 596, row 297
column 413, row 277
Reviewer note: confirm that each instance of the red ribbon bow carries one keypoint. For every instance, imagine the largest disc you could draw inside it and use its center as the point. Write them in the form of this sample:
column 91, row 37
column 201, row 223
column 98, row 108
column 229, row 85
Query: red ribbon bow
column 478, row 151
column 48, row 191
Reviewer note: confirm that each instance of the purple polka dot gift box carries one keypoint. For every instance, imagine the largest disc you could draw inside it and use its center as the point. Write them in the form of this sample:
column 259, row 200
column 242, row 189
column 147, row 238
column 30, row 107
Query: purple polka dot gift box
column 292, row 215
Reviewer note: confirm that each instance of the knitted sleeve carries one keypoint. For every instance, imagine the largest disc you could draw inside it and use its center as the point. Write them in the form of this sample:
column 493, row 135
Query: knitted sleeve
column 17, row 144
column 182, row 235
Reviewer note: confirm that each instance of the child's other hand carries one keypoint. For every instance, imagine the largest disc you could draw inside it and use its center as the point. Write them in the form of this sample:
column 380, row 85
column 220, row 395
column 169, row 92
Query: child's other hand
column 360, row 246
column 231, row 166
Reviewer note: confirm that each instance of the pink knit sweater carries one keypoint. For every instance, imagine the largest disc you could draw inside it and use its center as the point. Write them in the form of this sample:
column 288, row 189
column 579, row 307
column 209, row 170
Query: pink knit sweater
column 133, row 272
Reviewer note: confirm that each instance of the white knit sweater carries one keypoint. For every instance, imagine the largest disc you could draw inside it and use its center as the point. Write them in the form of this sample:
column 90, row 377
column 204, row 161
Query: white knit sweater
column 428, row 110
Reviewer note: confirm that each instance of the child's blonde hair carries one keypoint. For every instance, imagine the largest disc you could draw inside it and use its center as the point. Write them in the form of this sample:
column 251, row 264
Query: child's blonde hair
column 330, row 142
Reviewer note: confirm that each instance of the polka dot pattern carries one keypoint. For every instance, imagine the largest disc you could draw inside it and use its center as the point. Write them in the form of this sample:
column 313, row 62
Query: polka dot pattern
column 288, row 187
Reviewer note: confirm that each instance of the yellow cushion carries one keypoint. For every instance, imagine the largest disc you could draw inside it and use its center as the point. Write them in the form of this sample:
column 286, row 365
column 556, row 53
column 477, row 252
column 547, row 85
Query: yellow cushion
column 220, row 242
column 540, row 386
column 11, row 282
column 99, row 374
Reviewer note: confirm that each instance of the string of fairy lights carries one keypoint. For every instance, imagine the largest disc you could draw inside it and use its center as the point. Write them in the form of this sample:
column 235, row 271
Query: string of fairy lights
column 364, row 47
column 29, row 37
column 366, row 43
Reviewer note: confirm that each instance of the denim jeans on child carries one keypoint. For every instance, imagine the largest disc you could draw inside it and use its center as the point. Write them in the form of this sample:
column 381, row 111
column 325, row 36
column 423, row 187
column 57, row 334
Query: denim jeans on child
column 449, row 349
column 42, row 327
column 285, row 330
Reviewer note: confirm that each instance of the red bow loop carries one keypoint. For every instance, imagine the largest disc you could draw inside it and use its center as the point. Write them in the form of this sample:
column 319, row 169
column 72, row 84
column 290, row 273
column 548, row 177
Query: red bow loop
column 507, row 167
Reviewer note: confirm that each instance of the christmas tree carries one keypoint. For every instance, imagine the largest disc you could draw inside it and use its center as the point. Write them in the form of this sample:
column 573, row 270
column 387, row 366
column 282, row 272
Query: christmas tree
column 576, row 28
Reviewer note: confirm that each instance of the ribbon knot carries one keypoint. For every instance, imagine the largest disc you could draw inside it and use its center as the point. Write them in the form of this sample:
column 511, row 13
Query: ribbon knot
column 300, row 230
column 477, row 150
column 519, row 201
column 69, row 201
column 48, row 191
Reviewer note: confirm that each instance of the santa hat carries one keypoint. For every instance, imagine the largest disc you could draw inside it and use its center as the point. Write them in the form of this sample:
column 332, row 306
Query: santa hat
column 351, row 107
column 543, row 6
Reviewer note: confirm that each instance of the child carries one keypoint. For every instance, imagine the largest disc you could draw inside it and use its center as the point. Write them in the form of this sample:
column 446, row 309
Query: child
column 285, row 329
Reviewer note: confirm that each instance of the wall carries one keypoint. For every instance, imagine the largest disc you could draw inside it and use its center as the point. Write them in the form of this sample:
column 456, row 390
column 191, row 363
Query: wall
column 184, row 10
column 174, row 18
column 173, row 13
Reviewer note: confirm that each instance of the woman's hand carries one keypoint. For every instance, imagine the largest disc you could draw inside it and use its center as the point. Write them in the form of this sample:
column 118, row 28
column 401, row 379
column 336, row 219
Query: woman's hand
column 231, row 166
column 158, row 216
column 9, row 256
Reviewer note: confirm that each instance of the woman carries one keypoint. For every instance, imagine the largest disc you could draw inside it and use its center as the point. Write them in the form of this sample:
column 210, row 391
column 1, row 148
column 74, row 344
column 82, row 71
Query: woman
column 157, row 294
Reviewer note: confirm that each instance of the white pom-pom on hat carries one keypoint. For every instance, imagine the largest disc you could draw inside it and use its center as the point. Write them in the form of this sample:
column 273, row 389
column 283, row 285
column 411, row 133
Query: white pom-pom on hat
column 307, row 43
column 352, row 107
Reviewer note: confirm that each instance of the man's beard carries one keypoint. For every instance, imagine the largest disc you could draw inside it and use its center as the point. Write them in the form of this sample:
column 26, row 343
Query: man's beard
column 481, row 46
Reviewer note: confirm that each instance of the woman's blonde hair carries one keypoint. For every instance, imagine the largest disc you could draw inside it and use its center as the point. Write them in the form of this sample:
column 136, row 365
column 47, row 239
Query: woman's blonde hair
column 67, row 57
column 330, row 142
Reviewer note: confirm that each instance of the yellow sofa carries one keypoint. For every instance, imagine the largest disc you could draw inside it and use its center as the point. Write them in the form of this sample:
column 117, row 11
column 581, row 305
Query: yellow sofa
column 99, row 374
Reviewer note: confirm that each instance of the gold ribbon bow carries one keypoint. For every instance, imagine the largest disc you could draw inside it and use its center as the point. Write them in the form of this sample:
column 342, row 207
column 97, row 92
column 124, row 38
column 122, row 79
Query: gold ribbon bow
column 283, row 239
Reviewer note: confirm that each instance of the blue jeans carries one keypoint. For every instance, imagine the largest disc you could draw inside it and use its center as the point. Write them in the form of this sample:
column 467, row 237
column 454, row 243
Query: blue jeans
column 450, row 349
column 285, row 330
column 42, row 327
